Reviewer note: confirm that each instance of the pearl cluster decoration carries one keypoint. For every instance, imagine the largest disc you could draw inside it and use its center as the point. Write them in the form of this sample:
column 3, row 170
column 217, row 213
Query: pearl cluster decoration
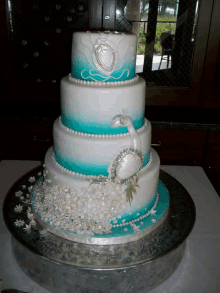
column 78, row 210
column 85, row 211
column 99, row 135
column 103, row 83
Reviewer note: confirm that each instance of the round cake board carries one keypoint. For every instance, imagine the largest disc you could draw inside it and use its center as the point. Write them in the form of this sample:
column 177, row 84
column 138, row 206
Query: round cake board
column 61, row 265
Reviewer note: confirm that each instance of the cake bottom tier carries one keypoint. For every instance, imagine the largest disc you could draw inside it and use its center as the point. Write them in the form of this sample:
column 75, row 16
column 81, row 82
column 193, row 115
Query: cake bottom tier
column 126, row 228
column 97, row 210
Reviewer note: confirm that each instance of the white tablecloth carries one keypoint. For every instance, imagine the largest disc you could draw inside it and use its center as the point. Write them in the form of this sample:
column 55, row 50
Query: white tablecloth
column 199, row 270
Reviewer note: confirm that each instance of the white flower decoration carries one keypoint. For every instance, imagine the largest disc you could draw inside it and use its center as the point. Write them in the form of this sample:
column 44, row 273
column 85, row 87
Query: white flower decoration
column 30, row 188
column 19, row 223
column 43, row 232
column 23, row 186
column 27, row 195
column 32, row 179
column 18, row 208
column 125, row 229
column 18, row 193
column 26, row 201
column 27, row 228
column 28, row 210
column 32, row 223
column 153, row 221
column 152, row 212
column 136, row 228
column 30, row 216
column 21, row 198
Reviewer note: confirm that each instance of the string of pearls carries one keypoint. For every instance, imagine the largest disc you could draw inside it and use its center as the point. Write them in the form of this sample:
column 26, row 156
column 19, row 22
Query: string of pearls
column 99, row 135
column 92, row 176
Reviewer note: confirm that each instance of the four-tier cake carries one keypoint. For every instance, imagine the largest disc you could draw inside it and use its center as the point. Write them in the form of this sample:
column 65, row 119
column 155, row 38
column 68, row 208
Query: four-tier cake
column 101, row 177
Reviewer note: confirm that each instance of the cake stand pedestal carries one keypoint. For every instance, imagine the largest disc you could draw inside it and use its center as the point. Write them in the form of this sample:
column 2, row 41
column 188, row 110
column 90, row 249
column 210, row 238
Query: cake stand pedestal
column 61, row 265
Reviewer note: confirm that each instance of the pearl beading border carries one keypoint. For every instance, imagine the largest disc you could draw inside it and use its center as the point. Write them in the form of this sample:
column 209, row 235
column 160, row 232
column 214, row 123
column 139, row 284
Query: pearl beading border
column 139, row 218
column 99, row 135
column 92, row 176
column 102, row 83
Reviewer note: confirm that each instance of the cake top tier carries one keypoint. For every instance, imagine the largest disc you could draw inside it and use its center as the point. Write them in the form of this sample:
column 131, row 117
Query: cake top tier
column 103, row 56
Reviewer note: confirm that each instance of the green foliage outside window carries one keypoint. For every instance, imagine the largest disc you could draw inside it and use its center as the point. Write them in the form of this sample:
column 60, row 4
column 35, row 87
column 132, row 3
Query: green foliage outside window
column 161, row 28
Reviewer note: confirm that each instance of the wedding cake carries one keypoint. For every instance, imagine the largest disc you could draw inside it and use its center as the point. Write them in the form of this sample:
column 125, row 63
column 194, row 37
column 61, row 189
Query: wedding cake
column 101, row 177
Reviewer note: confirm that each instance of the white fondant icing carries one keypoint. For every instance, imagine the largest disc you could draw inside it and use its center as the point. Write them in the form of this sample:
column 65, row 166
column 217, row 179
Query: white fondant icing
column 93, row 151
column 93, row 106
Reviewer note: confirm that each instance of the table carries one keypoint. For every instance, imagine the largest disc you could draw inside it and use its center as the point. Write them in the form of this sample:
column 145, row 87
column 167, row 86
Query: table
column 199, row 268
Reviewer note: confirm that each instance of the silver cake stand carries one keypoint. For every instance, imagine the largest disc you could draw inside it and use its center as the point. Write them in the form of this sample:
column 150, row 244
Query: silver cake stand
column 61, row 265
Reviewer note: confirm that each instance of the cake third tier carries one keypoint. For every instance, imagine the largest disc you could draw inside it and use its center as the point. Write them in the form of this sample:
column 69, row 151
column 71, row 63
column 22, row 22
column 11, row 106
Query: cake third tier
column 91, row 154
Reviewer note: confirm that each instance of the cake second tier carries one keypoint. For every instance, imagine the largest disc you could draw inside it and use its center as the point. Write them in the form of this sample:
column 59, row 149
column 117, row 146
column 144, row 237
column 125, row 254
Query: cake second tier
column 97, row 207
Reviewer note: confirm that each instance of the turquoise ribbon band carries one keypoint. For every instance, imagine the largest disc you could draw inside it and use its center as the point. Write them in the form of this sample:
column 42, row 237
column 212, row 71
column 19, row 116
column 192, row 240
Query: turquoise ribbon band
column 86, row 168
